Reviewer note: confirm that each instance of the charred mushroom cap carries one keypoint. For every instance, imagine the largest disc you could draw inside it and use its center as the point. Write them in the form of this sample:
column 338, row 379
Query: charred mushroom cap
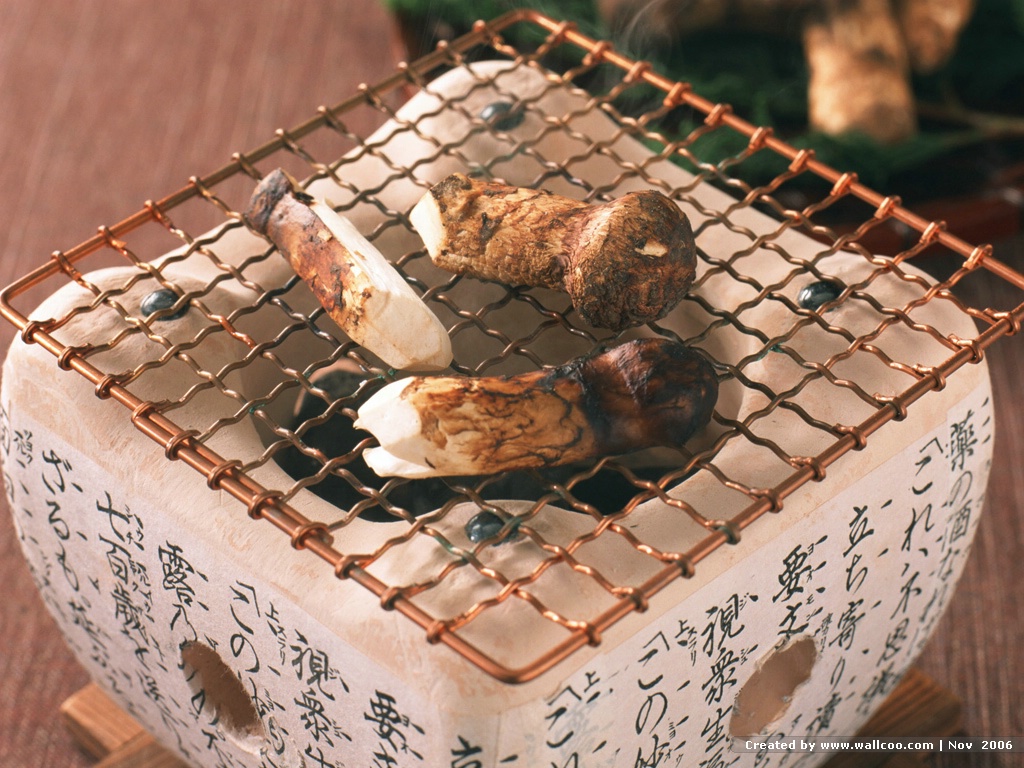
column 634, row 261
column 647, row 392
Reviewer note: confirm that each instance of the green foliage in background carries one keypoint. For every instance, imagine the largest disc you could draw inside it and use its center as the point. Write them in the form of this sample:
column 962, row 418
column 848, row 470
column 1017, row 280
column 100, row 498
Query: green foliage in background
column 462, row 13
column 976, row 100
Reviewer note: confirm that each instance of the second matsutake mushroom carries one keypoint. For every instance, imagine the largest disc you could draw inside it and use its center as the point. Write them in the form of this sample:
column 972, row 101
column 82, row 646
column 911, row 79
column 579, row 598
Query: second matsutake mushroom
column 641, row 394
column 623, row 263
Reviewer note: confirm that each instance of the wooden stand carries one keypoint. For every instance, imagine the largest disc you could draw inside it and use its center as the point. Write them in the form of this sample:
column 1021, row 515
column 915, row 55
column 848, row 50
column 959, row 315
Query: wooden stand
column 110, row 735
column 917, row 707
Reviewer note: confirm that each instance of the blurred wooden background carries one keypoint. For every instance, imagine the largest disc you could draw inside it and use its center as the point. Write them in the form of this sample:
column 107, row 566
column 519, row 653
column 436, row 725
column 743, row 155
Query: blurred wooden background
column 106, row 103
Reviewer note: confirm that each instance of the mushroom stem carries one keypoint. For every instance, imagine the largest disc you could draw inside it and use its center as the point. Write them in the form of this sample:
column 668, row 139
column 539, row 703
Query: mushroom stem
column 361, row 291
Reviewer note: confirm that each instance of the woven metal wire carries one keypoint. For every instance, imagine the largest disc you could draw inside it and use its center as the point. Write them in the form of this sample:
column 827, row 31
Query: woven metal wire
column 674, row 123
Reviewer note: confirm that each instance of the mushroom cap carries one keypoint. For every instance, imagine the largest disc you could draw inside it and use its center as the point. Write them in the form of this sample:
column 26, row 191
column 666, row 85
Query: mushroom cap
column 634, row 260
column 647, row 392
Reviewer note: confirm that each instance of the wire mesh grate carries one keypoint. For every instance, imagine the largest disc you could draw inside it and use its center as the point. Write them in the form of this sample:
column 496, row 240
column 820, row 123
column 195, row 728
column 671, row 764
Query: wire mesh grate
column 238, row 346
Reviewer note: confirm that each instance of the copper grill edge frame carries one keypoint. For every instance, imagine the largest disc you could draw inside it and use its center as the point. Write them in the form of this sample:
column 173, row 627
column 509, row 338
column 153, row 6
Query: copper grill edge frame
column 260, row 502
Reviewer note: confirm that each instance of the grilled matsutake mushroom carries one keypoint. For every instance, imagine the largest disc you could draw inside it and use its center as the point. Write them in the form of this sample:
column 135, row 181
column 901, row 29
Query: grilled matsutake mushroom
column 644, row 393
column 623, row 263
column 350, row 278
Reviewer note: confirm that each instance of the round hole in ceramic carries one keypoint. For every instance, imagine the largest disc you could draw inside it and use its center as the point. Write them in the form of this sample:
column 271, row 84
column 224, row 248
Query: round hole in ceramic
column 207, row 675
column 767, row 694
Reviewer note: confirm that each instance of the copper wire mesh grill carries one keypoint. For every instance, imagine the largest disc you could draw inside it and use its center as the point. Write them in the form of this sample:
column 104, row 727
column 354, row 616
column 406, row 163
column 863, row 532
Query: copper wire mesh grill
column 605, row 493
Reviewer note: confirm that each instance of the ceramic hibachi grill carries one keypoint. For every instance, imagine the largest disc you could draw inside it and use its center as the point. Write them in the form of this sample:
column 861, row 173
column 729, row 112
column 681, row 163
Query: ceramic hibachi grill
column 193, row 502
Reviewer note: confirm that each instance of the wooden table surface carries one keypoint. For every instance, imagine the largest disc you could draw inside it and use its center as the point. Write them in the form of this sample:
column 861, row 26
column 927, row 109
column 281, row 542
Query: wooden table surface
column 107, row 103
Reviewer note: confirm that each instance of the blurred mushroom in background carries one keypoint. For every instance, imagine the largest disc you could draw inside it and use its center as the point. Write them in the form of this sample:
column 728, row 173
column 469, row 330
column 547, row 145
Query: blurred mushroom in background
column 860, row 53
